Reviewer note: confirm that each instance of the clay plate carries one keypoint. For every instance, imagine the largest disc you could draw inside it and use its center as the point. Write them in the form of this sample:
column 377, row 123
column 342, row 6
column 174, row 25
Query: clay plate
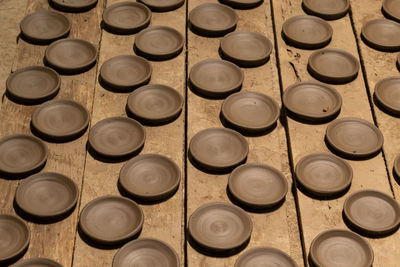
column 74, row 5
column 372, row 212
column 126, row 72
column 111, row 219
column 71, row 55
column 264, row 255
column 215, row 77
column 332, row 65
column 312, row 101
column 326, row 9
column 145, row 251
column 150, row 177
column 354, row 137
column 396, row 166
column 155, row 103
column 307, row 32
column 391, row 9
column 47, row 195
column 33, row 84
column 14, row 237
column 246, row 49
column 220, row 227
column 126, row 17
column 387, row 93
column 339, row 247
column 162, row 5
column 45, row 26
column 257, row 186
column 250, row 112
column 324, row 174
column 218, row 149
column 117, row 137
column 37, row 262
column 21, row 154
column 242, row 4
column 382, row 34
column 60, row 119
column 212, row 19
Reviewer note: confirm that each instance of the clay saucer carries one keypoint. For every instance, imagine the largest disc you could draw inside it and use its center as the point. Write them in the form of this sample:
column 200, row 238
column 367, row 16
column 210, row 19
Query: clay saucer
column 150, row 177
column 117, row 137
column 126, row 72
column 37, row 262
column 327, row 9
column 215, row 77
column 354, row 137
column 246, row 49
column 47, row 195
column 45, row 26
column 162, row 5
column 71, row 55
column 339, row 247
column 332, row 65
column 387, row 93
column 155, row 103
column 324, row 174
column 111, row 220
column 126, row 17
column 159, row 43
column 391, row 9
column 264, row 255
column 146, row 252
column 312, row 101
column 242, row 4
column 382, row 34
column 307, row 32
column 396, row 166
column 74, row 5
column 250, row 112
column 33, row 84
column 21, row 154
column 220, row 227
column 212, row 19
column 60, row 119
column 257, row 186
column 14, row 237
column 218, row 149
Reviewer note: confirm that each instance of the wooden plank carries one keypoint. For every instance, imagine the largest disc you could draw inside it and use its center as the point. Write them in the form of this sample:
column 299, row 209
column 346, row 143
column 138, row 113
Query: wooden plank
column 318, row 216
column 278, row 228
column 163, row 221
column 54, row 240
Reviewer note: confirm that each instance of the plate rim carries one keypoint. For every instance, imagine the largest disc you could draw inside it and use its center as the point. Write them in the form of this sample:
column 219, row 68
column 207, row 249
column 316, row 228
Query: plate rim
column 27, row 241
column 328, row 16
column 165, row 8
column 372, row 43
column 240, row 5
column 381, row 100
column 75, row 7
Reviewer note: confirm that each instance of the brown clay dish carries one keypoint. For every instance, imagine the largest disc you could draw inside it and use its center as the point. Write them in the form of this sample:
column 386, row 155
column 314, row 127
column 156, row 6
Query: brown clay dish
column 71, row 55
column 21, row 154
column 391, row 9
column 74, row 5
column 111, row 219
column 312, row 101
column 396, row 166
column 324, row 174
column 215, row 78
column 211, row 19
column 14, row 237
column 257, row 186
column 264, row 255
column 327, row 9
column 145, row 251
column 242, row 4
column 37, row 262
column 246, row 49
column 45, row 26
column 332, row 65
column 150, row 177
column 60, row 119
column 354, row 137
column 220, row 227
column 33, row 84
column 250, row 112
column 155, row 103
column 126, row 72
column 162, row 5
column 117, row 137
column 387, row 93
column 126, row 17
column 382, row 34
column 47, row 195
